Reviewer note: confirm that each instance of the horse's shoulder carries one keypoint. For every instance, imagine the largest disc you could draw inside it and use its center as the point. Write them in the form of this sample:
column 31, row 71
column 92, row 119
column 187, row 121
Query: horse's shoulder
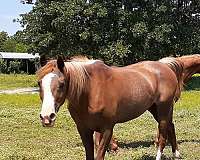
column 99, row 65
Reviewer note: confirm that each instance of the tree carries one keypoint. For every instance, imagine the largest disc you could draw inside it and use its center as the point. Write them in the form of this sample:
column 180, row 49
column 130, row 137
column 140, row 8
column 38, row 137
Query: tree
column 13, row 43
column 3, row 38
column 9, row 45
column 120, row 32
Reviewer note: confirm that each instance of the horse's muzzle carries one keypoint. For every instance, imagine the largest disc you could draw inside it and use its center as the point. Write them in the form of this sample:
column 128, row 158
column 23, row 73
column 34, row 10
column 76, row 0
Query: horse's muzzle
column 48, row 121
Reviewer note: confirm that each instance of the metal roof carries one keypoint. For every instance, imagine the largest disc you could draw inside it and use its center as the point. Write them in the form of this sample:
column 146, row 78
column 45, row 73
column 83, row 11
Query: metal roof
column 13, row 55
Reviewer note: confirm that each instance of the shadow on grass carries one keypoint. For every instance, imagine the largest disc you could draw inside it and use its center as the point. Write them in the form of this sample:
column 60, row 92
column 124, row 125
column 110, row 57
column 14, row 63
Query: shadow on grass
column 149, row 143
column 135, row 144
column 188, row 140
column 193, row 84
column 150, row 157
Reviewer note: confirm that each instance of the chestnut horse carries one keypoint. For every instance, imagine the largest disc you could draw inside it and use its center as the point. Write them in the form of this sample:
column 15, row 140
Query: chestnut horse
column 100, row 96
column 191, row 66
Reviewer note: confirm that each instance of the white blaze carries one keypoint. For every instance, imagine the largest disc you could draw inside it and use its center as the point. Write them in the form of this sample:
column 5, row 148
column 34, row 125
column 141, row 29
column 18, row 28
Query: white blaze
column 48, row 99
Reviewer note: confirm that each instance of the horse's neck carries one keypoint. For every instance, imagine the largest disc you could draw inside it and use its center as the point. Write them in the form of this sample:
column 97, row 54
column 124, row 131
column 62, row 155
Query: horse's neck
column 190, row 69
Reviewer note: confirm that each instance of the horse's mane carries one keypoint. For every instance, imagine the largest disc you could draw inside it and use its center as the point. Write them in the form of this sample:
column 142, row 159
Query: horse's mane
column 75, row 69
column 190, row 60
column 49, row 67
column 177, row 66
column 80, row 58
column 78, row 77
column 190, row 56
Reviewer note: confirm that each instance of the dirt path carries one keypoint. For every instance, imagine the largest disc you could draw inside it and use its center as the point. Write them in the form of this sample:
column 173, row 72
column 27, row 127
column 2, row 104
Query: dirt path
column 29, row 90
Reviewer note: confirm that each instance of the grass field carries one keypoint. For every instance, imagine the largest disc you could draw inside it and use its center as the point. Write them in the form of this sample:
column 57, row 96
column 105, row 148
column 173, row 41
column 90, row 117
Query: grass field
column 22, row 137
column 12, row 81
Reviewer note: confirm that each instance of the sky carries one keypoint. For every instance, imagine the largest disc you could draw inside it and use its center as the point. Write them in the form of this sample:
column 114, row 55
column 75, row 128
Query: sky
column 9, row 10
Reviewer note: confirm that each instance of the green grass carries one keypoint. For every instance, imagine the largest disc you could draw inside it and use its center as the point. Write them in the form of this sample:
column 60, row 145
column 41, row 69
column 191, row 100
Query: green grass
column 12, row 81
column 22, row 137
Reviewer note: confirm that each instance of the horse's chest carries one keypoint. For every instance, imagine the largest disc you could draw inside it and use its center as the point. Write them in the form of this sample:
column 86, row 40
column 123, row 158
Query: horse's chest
column 86, row 119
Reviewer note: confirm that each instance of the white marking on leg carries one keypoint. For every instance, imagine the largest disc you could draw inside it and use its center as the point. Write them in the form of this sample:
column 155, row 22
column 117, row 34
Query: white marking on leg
column 176, row 154
column 159, row 154
column 48, row 99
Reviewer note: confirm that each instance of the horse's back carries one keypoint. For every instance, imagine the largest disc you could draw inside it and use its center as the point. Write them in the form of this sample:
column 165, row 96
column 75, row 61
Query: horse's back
column 166, row 78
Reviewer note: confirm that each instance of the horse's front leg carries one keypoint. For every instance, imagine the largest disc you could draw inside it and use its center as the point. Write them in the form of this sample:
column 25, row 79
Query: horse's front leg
column 104, row 142
column 112, row 145
column 87, row 139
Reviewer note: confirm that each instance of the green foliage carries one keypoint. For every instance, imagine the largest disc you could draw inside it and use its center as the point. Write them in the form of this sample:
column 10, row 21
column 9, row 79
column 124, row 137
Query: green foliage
column 21, row 48
column 9, row 45
column 3, row 67
column 13, row 43
column 146, row 29
column 14, row 67
column 3, row 38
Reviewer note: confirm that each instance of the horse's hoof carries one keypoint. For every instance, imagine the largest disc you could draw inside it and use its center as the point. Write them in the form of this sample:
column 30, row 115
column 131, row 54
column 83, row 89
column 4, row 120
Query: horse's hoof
column 114, row 148
column 177, row 154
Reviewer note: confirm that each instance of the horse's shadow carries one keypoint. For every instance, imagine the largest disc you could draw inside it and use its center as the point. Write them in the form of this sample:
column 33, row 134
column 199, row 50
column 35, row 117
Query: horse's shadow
column 149, row 157
column 188, row 140
column 148, row 144
column 137, row 144
column 142, row 144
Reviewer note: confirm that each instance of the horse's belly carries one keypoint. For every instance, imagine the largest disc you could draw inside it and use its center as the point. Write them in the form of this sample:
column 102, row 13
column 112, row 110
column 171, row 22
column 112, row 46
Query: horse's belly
column 131, row 111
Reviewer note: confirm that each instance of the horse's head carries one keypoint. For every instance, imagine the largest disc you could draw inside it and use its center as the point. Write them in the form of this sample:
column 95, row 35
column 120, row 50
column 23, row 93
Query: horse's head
column 53, row 88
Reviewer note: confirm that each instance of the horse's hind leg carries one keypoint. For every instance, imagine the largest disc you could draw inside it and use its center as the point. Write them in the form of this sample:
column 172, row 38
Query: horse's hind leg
column 163, row 110
column 154, row 112
column 170, row 133
column 172, row 138
column 162, row 126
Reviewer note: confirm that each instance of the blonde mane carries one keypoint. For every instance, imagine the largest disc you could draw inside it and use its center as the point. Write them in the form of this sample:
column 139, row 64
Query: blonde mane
column 178, row 67
column 175, row 64
column 78, row 78
column 74, row 71
column 190, row 60
column 49, row 67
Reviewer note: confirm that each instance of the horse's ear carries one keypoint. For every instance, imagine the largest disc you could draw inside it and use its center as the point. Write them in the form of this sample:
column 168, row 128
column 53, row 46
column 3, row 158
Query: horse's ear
column 43, row 60
column 60, row 63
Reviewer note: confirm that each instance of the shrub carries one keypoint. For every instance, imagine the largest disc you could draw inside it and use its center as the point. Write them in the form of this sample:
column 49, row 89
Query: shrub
column 3, row 67
column 14, row 67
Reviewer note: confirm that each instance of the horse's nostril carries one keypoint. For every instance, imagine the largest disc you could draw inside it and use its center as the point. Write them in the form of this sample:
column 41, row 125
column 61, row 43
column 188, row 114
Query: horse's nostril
column 41, row 117
column 52, row 116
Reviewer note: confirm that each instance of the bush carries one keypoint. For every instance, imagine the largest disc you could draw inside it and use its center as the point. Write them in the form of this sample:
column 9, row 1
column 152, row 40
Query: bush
column 14, row 67
column 3, row 67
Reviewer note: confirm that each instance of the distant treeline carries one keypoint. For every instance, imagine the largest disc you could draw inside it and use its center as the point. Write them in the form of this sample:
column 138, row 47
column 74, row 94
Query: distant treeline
column 120, row 32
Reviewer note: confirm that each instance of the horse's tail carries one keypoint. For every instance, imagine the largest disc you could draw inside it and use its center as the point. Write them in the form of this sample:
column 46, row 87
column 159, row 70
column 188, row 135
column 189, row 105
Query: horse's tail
column 177, row 67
